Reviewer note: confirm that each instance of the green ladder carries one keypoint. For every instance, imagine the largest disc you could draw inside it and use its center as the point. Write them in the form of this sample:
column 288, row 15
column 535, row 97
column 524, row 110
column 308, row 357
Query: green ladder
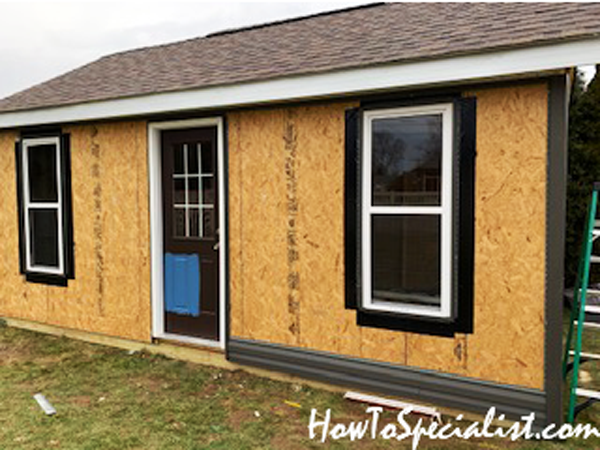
column 579, row 309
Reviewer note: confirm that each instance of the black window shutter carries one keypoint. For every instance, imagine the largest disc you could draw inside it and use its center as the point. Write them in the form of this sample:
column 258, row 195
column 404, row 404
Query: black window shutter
column 20, row 205
column 67, row 211
column 463, row 239
column 464, row 218
column 68, row 240
column 352, row 208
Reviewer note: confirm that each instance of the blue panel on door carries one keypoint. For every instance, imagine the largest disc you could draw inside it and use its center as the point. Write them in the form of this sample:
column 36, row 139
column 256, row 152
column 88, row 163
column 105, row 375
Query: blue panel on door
column 182, row 284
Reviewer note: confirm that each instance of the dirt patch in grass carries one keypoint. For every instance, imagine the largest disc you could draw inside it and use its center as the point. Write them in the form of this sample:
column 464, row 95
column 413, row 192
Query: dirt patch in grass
column 237, row 419
column 150, row 384
column 10, row 355
column 81, row 400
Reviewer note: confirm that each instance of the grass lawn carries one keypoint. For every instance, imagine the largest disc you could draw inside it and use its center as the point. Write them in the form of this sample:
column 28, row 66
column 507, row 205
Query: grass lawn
column 109, row 399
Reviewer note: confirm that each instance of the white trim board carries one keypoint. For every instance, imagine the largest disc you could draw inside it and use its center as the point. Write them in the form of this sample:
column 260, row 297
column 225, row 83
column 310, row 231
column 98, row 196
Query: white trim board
column 503, row 63
column 156, row 228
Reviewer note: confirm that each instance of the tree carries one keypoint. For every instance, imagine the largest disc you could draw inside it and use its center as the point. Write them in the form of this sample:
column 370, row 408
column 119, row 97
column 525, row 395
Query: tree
column 584, row 165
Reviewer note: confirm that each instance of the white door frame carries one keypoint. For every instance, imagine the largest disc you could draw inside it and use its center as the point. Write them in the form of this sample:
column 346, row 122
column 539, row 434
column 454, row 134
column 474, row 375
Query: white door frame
column 156, row 227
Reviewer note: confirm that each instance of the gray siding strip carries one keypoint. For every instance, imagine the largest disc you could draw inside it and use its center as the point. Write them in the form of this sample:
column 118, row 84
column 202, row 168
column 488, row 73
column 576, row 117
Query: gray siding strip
column 555, row 241
column 399, row 381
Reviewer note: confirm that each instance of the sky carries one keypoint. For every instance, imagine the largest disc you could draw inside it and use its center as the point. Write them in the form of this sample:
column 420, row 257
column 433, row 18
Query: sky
column 42, row 39
column 588, row 72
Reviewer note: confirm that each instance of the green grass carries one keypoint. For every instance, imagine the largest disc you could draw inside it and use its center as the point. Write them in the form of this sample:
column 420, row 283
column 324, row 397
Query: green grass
column 109, row 399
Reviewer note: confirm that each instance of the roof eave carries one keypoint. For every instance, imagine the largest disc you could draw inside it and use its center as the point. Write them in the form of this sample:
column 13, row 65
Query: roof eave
column 457, row 69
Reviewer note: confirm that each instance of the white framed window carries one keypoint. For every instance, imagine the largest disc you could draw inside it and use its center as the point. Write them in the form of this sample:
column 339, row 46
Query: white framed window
column 42, row 202
column 407, row 210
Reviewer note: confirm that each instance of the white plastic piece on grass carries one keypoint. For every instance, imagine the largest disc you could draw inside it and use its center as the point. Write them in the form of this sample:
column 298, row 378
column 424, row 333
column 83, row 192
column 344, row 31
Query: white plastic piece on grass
column 45, row 404
column 396, row 404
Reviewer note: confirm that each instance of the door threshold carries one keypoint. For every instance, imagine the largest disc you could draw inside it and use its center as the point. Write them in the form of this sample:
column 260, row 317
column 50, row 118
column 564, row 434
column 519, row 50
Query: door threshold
column 189, row 340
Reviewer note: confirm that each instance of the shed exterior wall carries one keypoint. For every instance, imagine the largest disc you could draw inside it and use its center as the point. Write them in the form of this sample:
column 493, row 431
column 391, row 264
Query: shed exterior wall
column 111, row 290
column 286, row 182
column 286, row 199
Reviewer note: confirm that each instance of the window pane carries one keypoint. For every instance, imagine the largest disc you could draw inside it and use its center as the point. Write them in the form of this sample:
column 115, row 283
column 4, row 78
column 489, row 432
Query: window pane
column 407, row 160
column 41, row 162
column 208, row 191
column 193, row 188
column 179, row 191
column 194, row 222
column 178, row 166
column 208, row 222
column 406, row 259
column 43, row 235
column 179, row 222
column 193, row 159
column 206, row 158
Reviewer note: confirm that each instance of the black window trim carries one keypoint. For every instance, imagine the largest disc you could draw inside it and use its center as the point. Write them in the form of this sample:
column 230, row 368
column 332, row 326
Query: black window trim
column 67, row 249
column 464, row 153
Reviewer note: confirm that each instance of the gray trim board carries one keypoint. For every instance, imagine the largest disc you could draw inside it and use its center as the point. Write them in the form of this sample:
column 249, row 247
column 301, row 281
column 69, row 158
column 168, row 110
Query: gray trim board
column 400, row 381
column 556, row 198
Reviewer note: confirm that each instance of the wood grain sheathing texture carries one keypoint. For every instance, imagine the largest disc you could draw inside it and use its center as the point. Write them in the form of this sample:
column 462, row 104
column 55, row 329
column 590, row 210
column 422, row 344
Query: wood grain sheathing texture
column 258, row 216
column 508, row 340
column 111, row 290
column 304, row 172
column 510, row 232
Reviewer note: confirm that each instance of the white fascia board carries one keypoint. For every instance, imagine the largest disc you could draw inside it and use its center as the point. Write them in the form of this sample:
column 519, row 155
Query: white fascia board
column 504, row 63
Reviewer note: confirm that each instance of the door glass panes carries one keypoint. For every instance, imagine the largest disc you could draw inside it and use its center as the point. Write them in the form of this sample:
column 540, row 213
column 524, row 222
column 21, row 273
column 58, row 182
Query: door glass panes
column 207, row 160
column 178, row 166
column 193, row 191
column 194, row 216
column 208, row 191
column 179, row 191
column 208, row 221
column 192, row 162
column 179, row 222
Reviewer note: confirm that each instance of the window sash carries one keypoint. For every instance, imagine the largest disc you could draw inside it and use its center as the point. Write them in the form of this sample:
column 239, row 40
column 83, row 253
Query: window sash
column 444, row 210
column 28, row 205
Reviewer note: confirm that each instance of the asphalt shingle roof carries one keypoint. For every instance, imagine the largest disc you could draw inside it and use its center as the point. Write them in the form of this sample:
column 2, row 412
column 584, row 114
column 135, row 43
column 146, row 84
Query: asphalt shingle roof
column 365, row 36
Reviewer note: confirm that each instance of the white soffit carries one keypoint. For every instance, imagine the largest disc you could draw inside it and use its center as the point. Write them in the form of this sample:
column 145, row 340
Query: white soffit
column 504, row 63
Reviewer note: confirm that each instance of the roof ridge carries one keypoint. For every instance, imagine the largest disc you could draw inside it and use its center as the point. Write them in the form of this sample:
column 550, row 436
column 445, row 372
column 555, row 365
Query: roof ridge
column 293, row 19
column 226, row 32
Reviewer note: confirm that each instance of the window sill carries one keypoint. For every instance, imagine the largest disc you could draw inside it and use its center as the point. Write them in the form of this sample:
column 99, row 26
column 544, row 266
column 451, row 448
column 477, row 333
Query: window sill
column 437, row 326
column 47, row 278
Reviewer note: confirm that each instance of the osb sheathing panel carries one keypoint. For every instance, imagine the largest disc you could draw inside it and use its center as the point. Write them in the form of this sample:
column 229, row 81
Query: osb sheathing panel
column 287, row 250
column 510, row 236
column 260, row 273
column 111, row 290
